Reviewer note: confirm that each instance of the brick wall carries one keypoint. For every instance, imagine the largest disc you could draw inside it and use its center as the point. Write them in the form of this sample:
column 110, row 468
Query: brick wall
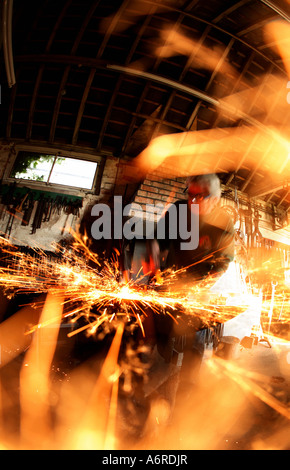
column 157, row 188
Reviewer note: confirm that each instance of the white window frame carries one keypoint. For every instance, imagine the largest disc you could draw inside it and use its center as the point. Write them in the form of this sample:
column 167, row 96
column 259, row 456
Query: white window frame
column 54, row 187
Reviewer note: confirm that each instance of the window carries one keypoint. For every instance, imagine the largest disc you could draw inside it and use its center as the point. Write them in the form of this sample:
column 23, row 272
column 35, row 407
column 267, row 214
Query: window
column 53, row 169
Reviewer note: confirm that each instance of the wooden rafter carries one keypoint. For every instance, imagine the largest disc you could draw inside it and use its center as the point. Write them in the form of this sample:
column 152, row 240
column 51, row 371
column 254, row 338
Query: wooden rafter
column 230, row 10
column 256, row 25
column 65, row 78
column 33, row 102
column 41, row 70
column 82, row 105
column 284, row 198
column 133, row 120
column 60, row 93
column 108, row 112
column 264, row 189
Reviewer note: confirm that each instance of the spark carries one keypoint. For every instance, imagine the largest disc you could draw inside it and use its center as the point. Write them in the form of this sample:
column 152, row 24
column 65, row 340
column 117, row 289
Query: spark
column 96, row 290
column 247, row 381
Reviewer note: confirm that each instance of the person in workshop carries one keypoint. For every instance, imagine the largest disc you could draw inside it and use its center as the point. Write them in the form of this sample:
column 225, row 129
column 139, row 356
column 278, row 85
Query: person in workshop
column 197, row 265
column 215, row 248
column 169, row 350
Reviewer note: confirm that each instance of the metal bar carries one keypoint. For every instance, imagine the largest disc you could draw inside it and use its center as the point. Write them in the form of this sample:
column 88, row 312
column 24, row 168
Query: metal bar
column 7, row 41
column 164, row 81
column 276, row 9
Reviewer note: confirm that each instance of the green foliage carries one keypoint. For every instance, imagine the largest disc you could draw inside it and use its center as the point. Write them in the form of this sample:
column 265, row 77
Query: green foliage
column 27, row 161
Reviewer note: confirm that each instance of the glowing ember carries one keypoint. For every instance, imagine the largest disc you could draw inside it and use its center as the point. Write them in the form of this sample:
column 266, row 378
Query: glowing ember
column 98, row 292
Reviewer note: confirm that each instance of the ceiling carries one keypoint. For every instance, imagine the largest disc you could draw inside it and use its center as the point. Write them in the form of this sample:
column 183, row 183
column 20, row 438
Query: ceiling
column 107, row 76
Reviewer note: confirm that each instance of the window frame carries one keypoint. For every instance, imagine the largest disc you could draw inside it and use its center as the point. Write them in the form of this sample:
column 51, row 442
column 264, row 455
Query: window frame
column 55, row 187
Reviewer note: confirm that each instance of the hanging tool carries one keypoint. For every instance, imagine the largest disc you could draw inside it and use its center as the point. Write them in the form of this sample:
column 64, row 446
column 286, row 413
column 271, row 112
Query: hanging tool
column 28, row 211
column 13, row 209
column 256, row 235
column 8, row 229
column 65, row 222
column 2, row 211
column 49, row 209
column 73, row 208
column 19, row 207
column 38, row 216
column 247, row 213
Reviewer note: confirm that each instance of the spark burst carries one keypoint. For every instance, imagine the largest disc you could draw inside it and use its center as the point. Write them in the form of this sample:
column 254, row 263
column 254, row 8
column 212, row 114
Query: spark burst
column 96, row 290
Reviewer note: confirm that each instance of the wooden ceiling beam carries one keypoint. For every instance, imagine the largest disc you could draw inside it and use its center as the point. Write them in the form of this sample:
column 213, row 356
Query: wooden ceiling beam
column 113, row 23
column 134, row 119
column 82, row 106
column 228, row 33
column 11, row 110
column 264, row 189
column 230, row 10
column 145, row 89
column 60, row 94
column 41, row 70
column 283, row 198
column 183, row 73
column 57, row 25
column 84, row 25
column 65, row 78
column 33, row 102
column 108, row 112
column 256, row 25
column 63, row 59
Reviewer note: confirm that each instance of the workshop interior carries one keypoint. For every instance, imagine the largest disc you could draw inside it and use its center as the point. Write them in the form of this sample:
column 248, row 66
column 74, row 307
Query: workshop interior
column 107, row 108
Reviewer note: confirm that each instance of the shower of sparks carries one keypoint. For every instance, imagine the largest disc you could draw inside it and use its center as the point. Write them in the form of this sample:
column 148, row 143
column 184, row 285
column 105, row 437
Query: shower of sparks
column 97, row 291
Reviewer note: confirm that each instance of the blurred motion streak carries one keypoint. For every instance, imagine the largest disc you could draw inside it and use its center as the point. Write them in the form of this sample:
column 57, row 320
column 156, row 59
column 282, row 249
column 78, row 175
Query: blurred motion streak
column 217, row 149
column 280, row 32
column 245, row 379
column 260, row 138
column 97, row 425
column 14, row 337
column 36, row 426
column 199, row 55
